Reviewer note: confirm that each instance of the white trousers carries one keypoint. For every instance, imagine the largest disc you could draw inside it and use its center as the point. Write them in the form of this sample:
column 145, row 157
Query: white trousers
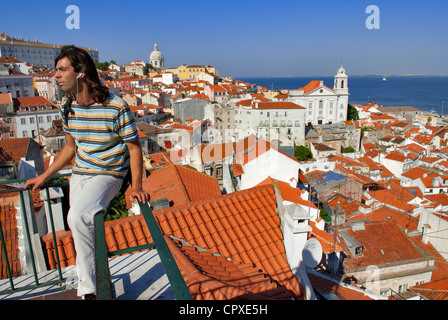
column 88, row 196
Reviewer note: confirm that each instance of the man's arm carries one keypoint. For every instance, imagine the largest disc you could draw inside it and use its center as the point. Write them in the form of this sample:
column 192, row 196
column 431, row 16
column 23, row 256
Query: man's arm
column 65, row 156
column 135, row 152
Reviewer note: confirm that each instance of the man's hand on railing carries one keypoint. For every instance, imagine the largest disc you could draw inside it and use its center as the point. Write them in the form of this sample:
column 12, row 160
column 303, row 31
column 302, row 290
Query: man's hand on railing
column 35, row 183
column 138, row 194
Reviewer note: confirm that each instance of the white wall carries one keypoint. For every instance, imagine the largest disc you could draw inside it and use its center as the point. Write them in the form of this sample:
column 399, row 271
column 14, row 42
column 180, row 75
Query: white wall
column 262, row 122
column 270, row 164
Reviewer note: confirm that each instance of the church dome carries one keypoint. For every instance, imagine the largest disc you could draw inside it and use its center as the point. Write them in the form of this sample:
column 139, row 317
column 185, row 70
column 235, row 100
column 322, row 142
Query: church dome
column 156, row 54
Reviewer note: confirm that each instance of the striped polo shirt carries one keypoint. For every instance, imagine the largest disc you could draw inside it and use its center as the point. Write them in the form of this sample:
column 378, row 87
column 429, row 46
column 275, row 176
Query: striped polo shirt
column 101, row 131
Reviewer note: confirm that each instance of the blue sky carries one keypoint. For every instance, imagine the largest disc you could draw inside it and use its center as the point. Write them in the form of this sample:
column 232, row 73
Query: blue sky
column 249, row 38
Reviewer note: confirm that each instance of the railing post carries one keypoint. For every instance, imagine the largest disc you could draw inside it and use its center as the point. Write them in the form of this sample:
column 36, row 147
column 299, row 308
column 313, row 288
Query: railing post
column 28, row 236
column 50, row 211
column 103, row 281
column 177, row 282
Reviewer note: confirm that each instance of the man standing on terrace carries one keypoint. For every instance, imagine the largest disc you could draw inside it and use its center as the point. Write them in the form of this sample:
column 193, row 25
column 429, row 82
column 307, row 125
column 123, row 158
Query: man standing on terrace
column 101, row 133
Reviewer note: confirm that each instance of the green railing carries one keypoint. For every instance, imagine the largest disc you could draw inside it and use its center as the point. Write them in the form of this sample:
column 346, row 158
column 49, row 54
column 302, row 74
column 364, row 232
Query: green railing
column 28, row 238
column 104, row 284
column 104, row 289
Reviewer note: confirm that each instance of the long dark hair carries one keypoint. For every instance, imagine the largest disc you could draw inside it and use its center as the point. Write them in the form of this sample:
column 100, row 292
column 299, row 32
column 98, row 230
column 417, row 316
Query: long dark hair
column 81, row 61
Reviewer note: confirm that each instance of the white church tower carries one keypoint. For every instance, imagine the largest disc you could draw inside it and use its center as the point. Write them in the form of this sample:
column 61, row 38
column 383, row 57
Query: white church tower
column 156, row 58
column 341, row 82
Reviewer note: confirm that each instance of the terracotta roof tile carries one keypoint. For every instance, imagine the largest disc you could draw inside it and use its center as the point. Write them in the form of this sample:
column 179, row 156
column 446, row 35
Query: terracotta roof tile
column 5, row 98
column 246, row 232
column 440, row 262
column 33, row 101
column 384, row 243
column 180, row 184
column 277, row 105
column 313, row 85
column 10, row 233
column 342, row 292
column 16, row 148
column 439, row 199
column 415, row 173
column 406, row 221
column 434, row 290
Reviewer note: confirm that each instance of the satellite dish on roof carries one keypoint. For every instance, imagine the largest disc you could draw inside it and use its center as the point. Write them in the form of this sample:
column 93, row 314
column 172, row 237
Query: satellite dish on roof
column 312, row 253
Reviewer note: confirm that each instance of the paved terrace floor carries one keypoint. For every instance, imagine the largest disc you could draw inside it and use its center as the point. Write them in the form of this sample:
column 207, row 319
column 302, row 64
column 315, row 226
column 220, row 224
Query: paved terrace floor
column 137, row 276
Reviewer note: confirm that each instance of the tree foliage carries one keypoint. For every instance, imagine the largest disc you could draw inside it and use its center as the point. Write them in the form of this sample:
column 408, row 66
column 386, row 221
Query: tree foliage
column 352, row 113
column 118, row 209
column 103, row 65
column 348, row 150
column 302, row 153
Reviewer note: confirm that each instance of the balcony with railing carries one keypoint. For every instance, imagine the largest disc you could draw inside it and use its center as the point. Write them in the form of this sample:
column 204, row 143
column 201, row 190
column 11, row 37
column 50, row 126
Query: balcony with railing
column 31, row 268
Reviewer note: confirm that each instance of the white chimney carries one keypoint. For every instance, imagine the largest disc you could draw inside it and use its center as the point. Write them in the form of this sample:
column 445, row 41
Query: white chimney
column 425, row 231
column 294, row 224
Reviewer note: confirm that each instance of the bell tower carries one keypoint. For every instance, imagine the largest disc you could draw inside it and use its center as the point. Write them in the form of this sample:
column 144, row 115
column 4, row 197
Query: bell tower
column 341, row 82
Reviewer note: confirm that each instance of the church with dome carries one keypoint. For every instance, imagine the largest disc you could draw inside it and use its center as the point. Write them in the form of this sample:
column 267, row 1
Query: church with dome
column 156, row 58
column 324, row 104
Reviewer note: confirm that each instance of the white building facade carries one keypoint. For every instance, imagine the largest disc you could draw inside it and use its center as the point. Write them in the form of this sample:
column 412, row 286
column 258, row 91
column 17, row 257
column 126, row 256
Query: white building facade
column 34, row 52
column 19, row 85
column 280, row 121
column 323, row 104
column 33, row 115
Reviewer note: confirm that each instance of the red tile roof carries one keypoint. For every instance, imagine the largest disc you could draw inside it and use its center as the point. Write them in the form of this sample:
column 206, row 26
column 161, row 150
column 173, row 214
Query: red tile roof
column 346, row 161
column 396, row 156
column 406, row 221
column 5, row 98
column 384, row 243
column 381, row 117
column 16, row 148
column 277, row 105
column 424, row 138
column 180, row 184
column 430, row 159
column 291, row 194
column 434, row 290
column 214, row 277
column 344, row 292
column 246, row 102
column 33, row 101
column 368, row 161
column 396, row 198
column 439, row 199
column 413, row 147
column 415, row 173
column 313, row 85
column 243, row 227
